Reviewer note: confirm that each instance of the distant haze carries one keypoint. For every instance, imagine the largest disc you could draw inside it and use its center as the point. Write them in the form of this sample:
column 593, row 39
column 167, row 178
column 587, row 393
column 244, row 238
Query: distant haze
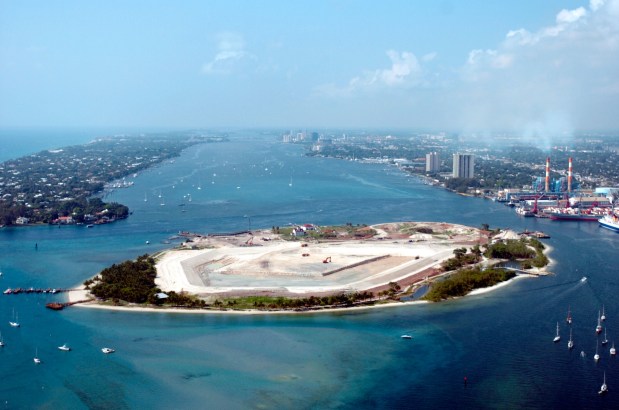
column 539, row 68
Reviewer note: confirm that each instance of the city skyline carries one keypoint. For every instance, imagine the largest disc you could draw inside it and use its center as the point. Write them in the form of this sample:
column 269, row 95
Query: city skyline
column 536, row 68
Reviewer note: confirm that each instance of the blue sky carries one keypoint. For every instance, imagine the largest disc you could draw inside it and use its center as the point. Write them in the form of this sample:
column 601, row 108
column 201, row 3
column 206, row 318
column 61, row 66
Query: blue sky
column 529, row 66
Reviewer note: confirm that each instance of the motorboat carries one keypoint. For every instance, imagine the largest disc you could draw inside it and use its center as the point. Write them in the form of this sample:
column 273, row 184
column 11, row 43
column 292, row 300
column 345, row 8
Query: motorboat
column 108, row 350
column 64, row 348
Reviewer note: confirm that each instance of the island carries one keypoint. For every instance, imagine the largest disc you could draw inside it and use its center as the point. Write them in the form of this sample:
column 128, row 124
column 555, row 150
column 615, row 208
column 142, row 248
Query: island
column 62, row 186
column 308, row 268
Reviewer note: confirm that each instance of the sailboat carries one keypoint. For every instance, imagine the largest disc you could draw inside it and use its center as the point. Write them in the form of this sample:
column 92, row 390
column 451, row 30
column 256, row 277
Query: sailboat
column 613, row 351
column 145, row 197
column 36, row 357
column 596, row 357
column 570, row 343
column 15, row 321
column 604, row 387
column 569, row 316
column 1, row 340
column 605, row 341
column 603, row 317
column 598, row 328
column 290, row 183
column 557, row 337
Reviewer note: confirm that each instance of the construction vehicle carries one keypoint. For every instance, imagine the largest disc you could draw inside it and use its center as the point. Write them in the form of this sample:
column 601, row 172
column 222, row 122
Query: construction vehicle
column 326, row 260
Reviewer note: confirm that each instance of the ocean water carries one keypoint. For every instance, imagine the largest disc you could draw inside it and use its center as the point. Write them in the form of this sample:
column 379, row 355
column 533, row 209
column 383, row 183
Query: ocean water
column 500, row 341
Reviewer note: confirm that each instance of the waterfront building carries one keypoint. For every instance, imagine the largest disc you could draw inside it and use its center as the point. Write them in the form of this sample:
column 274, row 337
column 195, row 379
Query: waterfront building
column 433, row 162
column 463, row 165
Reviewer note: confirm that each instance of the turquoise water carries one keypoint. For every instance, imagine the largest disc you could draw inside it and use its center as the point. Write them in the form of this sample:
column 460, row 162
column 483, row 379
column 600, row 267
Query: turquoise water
column 501, row 341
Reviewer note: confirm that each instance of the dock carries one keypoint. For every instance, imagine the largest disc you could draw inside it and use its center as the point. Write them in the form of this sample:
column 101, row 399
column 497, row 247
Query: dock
column 18, row 291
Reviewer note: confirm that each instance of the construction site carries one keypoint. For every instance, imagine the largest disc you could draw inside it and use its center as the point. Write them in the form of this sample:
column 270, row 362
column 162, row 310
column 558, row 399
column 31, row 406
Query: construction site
column 262, row 262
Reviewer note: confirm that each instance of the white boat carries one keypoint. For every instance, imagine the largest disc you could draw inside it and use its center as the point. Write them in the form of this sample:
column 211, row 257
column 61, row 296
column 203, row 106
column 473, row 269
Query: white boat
column 64, row 348
column 108, row 350
column 596, row 356
column 1, row 340
column 557, row 337
column 570, row 343
column 583, row 279
column 605, row 341
column 604, row 387
column 598, row 328
column 569, row 316
column 406, row 337
column 603, row 317
column 610, row 222
column 36, row 357
column 613, row 351
column 15, row 321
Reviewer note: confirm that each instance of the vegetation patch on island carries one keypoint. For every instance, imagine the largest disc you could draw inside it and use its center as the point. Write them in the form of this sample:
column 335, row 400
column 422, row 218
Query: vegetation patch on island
column 134, row 282
column 464, row 278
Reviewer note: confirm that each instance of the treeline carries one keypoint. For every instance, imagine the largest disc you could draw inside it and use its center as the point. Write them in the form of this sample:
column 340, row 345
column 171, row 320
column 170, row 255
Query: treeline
column 520, row 249
column 464, row 281
column 283, row 303
column 461, row 184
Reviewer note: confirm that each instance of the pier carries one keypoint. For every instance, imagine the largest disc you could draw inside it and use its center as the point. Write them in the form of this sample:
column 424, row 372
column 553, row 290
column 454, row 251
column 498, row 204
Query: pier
column 18, row 291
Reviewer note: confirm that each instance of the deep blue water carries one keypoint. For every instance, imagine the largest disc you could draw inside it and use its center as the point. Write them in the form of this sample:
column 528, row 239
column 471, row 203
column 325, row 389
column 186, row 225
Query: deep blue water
column 501, row 341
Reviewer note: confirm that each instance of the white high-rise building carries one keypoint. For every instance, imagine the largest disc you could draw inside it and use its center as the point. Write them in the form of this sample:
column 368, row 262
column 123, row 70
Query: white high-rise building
column 464, row 166
column 433, row 162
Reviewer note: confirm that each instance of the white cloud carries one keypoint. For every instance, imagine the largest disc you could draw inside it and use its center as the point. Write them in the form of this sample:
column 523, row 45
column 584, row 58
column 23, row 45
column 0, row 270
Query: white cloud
column 231, row 48
column 596, row 4
column 552, row 79
column 541, row 81
column 405, row 71
column 570, row 16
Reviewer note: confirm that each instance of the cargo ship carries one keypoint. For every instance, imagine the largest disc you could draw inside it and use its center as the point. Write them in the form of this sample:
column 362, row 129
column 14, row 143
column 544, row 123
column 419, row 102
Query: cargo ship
column 575, row 214
column 610, row 222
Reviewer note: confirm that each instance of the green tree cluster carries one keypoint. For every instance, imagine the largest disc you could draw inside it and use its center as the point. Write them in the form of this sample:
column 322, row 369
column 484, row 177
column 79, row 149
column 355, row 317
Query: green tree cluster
column 131, row 281
column 464, row 281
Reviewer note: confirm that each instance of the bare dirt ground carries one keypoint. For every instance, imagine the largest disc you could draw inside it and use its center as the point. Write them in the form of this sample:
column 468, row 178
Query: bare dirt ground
column 352, row 259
